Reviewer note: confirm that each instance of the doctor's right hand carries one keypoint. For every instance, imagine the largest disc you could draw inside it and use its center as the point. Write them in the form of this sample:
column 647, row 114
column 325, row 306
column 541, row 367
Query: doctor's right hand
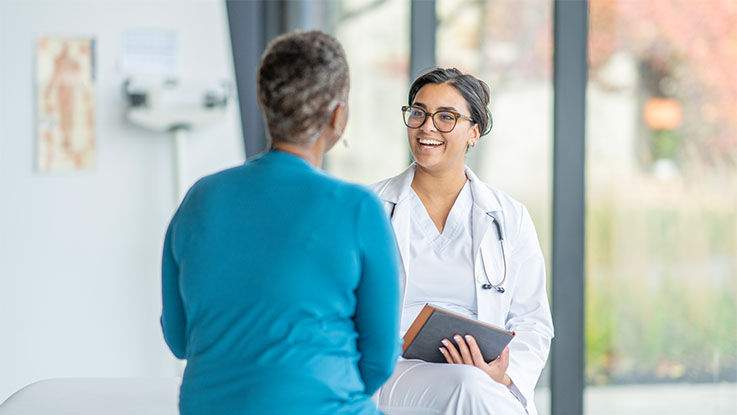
column 470, row 354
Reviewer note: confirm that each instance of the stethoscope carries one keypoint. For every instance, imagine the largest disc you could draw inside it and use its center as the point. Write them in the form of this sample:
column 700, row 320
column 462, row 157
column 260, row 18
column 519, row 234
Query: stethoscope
column 498, row 287
column 488, row 286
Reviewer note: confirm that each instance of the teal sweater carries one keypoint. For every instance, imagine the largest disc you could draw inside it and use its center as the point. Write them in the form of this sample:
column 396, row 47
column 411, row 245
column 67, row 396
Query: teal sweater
column 280, row 288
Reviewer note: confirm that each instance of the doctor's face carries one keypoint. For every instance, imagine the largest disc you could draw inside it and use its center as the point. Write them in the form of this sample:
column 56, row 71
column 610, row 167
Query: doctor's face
column 432, row 149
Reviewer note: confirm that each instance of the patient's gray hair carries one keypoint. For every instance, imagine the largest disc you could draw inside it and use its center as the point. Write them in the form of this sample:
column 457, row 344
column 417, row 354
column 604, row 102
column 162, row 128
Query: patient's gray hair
column 301, row 77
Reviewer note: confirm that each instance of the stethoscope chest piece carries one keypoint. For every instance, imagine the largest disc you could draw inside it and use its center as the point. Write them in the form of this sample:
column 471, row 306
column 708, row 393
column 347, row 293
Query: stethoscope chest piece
column 500, row 290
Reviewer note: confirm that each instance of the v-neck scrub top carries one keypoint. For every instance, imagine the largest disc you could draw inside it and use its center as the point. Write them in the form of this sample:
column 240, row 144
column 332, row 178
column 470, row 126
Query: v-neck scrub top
column 441, row 264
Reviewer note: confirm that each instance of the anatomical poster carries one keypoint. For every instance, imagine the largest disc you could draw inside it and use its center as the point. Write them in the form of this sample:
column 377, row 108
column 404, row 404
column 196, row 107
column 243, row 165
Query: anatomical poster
column 66, row 103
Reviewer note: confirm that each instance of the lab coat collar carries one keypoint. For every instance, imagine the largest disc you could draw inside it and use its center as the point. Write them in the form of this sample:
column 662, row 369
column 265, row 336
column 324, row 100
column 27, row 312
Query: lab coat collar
column 397, row 188
column 483, row 197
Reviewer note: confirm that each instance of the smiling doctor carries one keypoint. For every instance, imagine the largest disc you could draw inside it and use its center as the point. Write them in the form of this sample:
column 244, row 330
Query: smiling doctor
column 467, row 247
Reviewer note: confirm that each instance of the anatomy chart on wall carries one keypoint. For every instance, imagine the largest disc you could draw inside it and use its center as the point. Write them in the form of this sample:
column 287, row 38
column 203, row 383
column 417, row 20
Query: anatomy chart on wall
column 66, row 103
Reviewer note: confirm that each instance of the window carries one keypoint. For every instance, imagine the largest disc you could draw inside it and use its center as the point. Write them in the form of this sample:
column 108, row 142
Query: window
column 661, row 249
column 375, row 36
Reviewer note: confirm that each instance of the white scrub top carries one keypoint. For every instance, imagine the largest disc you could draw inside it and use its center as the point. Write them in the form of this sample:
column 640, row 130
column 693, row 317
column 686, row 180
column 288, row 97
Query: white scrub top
column 441, row 264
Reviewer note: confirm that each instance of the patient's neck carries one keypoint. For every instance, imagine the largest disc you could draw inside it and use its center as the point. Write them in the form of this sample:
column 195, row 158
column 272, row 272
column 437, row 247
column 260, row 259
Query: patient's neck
column 312, row 153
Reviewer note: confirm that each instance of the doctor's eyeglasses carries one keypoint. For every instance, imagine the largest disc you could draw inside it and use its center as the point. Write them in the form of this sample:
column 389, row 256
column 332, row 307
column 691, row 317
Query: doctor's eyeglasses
column 444, row 120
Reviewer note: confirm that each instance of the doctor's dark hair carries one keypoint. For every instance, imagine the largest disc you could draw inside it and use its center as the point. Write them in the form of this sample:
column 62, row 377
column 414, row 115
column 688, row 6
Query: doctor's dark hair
column 473, row 90
column 301, row 77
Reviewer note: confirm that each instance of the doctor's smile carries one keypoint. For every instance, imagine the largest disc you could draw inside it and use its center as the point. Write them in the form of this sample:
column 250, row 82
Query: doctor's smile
column 429, row 143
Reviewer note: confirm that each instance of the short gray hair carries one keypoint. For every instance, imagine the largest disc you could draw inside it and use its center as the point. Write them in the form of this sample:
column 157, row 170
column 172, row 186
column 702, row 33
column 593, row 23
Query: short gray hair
column 300, row 78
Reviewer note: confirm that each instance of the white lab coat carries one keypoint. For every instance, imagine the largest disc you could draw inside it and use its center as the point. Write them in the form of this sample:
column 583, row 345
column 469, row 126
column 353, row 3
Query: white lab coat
column 523, row 307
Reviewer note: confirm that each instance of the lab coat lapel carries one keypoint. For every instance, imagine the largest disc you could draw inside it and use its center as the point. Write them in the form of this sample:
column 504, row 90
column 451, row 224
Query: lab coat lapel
column 481, row 223
column 394, row 192
column 400, row 223
column 484, row 204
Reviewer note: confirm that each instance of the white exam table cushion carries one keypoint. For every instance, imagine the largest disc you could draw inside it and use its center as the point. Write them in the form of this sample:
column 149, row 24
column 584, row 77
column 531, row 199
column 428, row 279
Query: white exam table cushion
column 88, row 396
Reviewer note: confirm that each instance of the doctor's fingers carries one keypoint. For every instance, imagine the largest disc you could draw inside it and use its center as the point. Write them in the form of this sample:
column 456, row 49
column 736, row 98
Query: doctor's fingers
column 465, row 353
column 476, row 356
column 452, row 351
column 446, row 355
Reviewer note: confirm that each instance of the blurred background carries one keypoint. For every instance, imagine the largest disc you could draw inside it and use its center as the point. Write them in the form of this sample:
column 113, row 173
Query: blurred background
column 80, row 247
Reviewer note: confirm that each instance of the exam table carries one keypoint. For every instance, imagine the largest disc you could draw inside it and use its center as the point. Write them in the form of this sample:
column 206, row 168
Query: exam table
column 95, row 396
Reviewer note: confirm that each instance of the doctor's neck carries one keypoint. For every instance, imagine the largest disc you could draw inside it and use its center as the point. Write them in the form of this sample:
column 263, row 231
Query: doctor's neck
column 439, row 183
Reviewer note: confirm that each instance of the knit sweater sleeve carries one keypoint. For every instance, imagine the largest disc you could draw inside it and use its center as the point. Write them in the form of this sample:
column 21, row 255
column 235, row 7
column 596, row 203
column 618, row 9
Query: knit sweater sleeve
column 173, row 319
column 377, row 309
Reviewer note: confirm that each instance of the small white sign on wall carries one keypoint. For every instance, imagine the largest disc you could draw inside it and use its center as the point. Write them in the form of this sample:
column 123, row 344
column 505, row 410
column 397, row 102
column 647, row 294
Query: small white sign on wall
column 149, row 52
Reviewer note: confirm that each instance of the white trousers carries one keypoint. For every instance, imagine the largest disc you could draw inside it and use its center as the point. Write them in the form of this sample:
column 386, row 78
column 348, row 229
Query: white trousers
column 418, row 387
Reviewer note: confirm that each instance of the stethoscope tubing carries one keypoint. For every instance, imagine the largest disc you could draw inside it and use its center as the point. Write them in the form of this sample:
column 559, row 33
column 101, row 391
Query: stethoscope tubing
column 498, row 287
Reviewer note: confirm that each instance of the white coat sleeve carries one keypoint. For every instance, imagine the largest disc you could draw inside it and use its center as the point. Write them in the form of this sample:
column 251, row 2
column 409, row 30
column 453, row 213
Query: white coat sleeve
column 529, row 312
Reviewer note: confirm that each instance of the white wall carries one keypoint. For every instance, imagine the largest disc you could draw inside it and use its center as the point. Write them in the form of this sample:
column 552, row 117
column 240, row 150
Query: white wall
column 80, row 251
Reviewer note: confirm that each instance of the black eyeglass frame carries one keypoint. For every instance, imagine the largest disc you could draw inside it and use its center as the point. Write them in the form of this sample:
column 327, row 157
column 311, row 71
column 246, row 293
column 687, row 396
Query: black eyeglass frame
column 456, row 116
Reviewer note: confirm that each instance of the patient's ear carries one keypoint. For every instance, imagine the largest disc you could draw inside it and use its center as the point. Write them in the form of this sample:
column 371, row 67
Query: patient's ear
column 339, row 117
column 338, row 121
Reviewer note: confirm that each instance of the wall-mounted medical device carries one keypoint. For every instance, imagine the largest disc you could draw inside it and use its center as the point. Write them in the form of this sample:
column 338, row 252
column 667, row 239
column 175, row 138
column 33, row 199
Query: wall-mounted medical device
column 171, row 106
column 168, row 104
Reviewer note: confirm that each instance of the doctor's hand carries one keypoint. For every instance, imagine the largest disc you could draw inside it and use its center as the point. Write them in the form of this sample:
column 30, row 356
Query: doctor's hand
column 468, row 353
